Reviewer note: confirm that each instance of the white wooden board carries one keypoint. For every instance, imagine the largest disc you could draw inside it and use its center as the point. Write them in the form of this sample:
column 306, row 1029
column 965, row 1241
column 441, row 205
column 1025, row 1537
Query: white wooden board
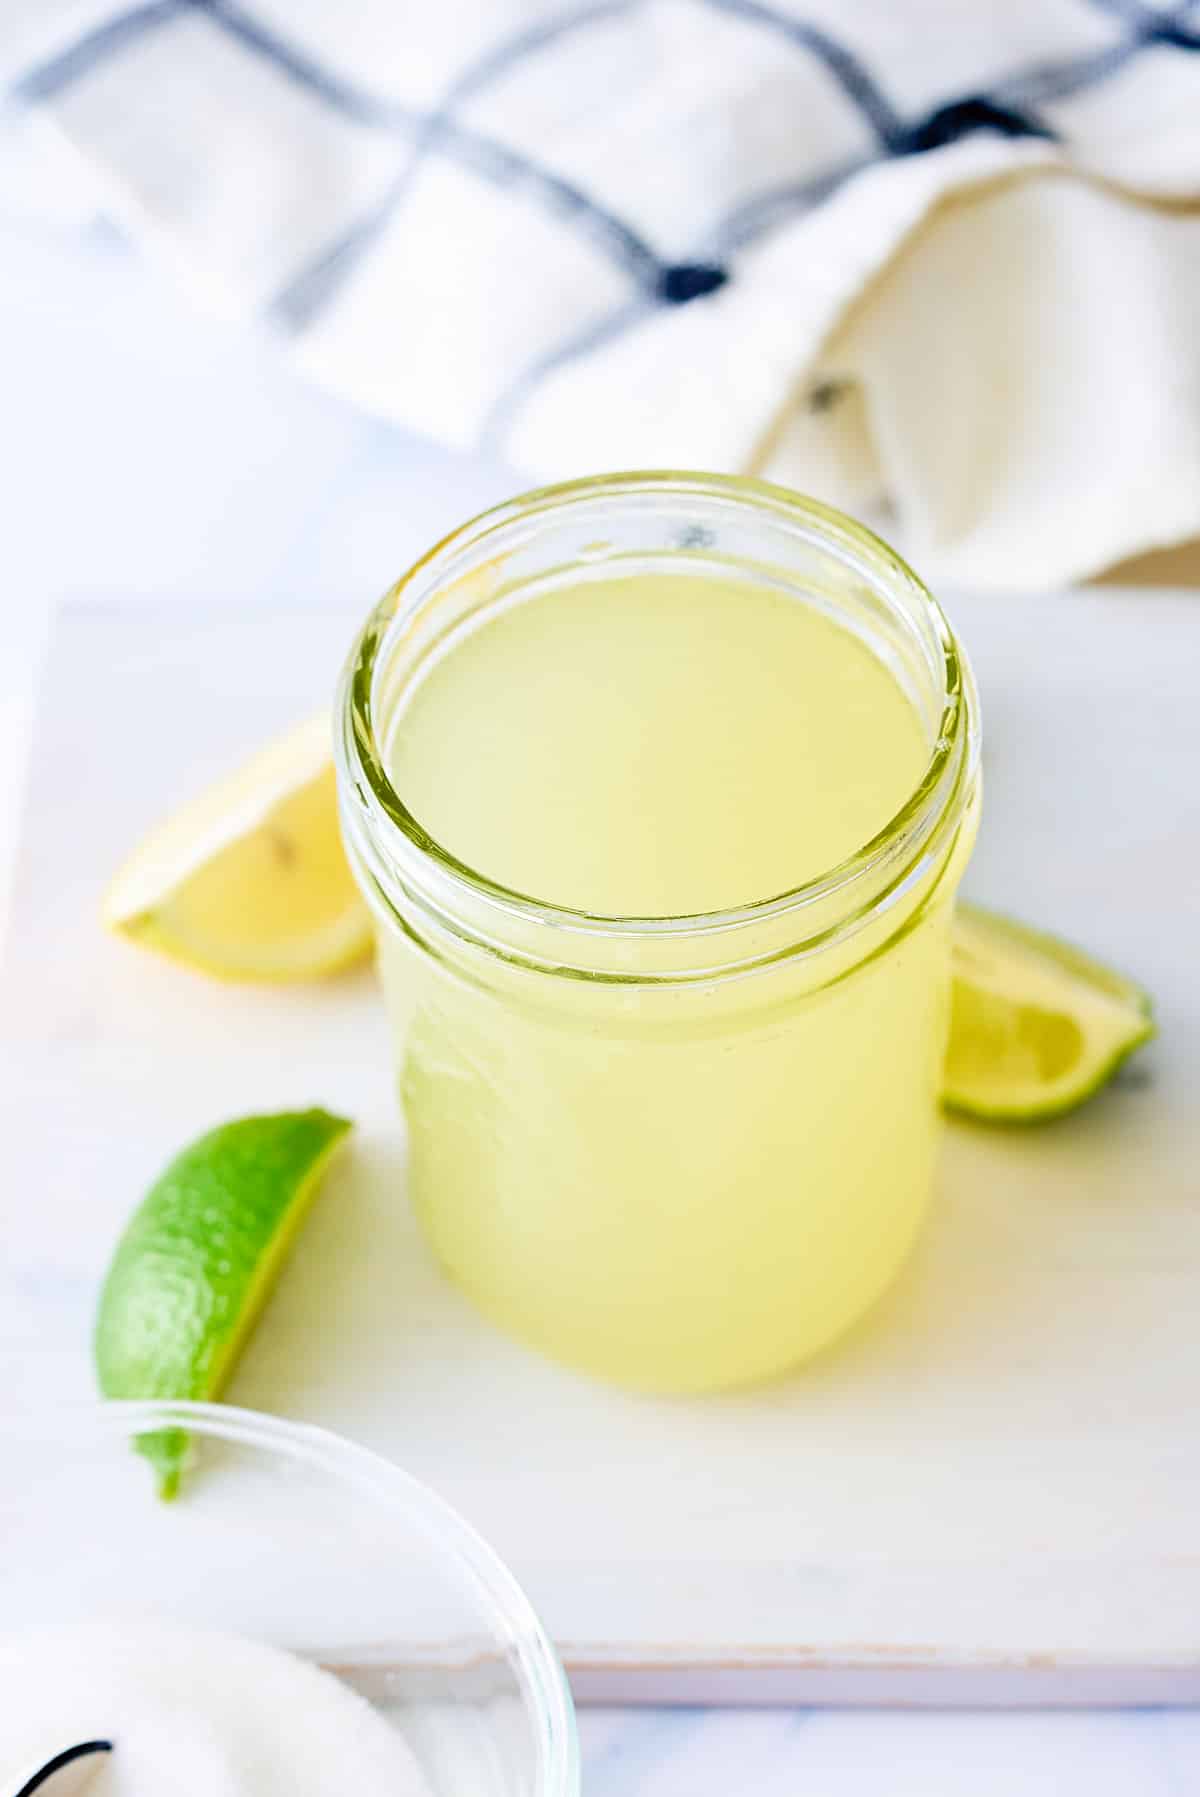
column 990, row 1493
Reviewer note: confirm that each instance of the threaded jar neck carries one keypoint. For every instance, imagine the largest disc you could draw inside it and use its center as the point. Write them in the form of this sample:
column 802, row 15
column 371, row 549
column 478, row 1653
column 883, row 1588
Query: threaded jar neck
column 639, row 524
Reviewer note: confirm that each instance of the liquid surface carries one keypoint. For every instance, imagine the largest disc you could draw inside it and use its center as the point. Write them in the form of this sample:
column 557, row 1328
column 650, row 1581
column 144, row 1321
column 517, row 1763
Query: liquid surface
column 192, row 1714
column 656, row 745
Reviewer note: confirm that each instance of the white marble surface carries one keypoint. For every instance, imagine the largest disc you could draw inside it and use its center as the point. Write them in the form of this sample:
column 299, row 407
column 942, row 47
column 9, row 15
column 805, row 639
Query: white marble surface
column 147, row 451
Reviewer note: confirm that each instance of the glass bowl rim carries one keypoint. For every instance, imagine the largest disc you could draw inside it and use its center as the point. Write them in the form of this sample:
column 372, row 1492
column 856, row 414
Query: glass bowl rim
column 545, row 1687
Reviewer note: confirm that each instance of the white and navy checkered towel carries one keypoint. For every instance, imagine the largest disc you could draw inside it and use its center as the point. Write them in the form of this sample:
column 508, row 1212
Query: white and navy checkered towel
column 933, row 251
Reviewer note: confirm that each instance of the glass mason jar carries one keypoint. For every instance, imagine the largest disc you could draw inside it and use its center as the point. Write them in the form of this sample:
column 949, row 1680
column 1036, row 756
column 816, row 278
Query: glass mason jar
column 682, row 1153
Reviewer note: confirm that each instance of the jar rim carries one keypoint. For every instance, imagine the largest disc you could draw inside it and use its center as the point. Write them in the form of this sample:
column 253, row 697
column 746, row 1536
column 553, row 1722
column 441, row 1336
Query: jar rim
column 948, row 773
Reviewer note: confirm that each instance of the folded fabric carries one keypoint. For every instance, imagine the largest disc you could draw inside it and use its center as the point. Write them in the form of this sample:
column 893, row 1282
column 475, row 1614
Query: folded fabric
column 938, row 255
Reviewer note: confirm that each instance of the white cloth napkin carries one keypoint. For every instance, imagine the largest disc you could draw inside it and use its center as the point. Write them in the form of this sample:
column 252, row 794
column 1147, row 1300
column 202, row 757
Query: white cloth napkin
column 938, row 254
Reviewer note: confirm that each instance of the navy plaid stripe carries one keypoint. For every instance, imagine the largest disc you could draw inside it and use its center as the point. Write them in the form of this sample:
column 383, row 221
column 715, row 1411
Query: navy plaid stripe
column 758, row 216
column 1135, row 12
column 485, row 156
column 1007, row 106
column 344, row 97
column 581, row 343
column 68, row 66
column 1070, row 75
column 840, row 61
column 314, row 286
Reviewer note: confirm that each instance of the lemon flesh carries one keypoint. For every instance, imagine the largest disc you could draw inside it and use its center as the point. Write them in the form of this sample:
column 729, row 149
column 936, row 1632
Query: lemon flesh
column 1037, row 1026
column 250, row 882
column 198, row 1261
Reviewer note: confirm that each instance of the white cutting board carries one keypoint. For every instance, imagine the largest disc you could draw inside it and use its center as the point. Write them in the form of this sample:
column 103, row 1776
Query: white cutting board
column 991, row 1492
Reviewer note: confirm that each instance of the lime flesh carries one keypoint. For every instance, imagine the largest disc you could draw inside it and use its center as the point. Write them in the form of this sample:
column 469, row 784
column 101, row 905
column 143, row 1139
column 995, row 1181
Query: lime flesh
column 1037, row 1026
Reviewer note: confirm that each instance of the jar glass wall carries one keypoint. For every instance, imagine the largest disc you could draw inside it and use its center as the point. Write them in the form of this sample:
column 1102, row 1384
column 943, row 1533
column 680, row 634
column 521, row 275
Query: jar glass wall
column 682, row 1152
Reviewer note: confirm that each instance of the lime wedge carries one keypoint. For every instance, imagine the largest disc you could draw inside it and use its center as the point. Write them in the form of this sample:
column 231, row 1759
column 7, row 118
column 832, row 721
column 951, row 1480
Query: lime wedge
column 249, row 881
column 1037, row 1026
column 198, row 1260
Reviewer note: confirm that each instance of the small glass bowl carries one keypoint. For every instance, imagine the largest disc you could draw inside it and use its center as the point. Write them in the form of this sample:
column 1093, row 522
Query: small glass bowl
column 290, row 1535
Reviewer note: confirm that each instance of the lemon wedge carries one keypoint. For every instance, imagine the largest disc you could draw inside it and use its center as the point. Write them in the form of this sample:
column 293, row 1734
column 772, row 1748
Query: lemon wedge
column 249, row 881
column 1037, row 1026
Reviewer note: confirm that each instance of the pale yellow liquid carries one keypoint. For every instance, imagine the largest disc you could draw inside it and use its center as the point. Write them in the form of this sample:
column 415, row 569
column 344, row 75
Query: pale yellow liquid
column 689, row 1188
